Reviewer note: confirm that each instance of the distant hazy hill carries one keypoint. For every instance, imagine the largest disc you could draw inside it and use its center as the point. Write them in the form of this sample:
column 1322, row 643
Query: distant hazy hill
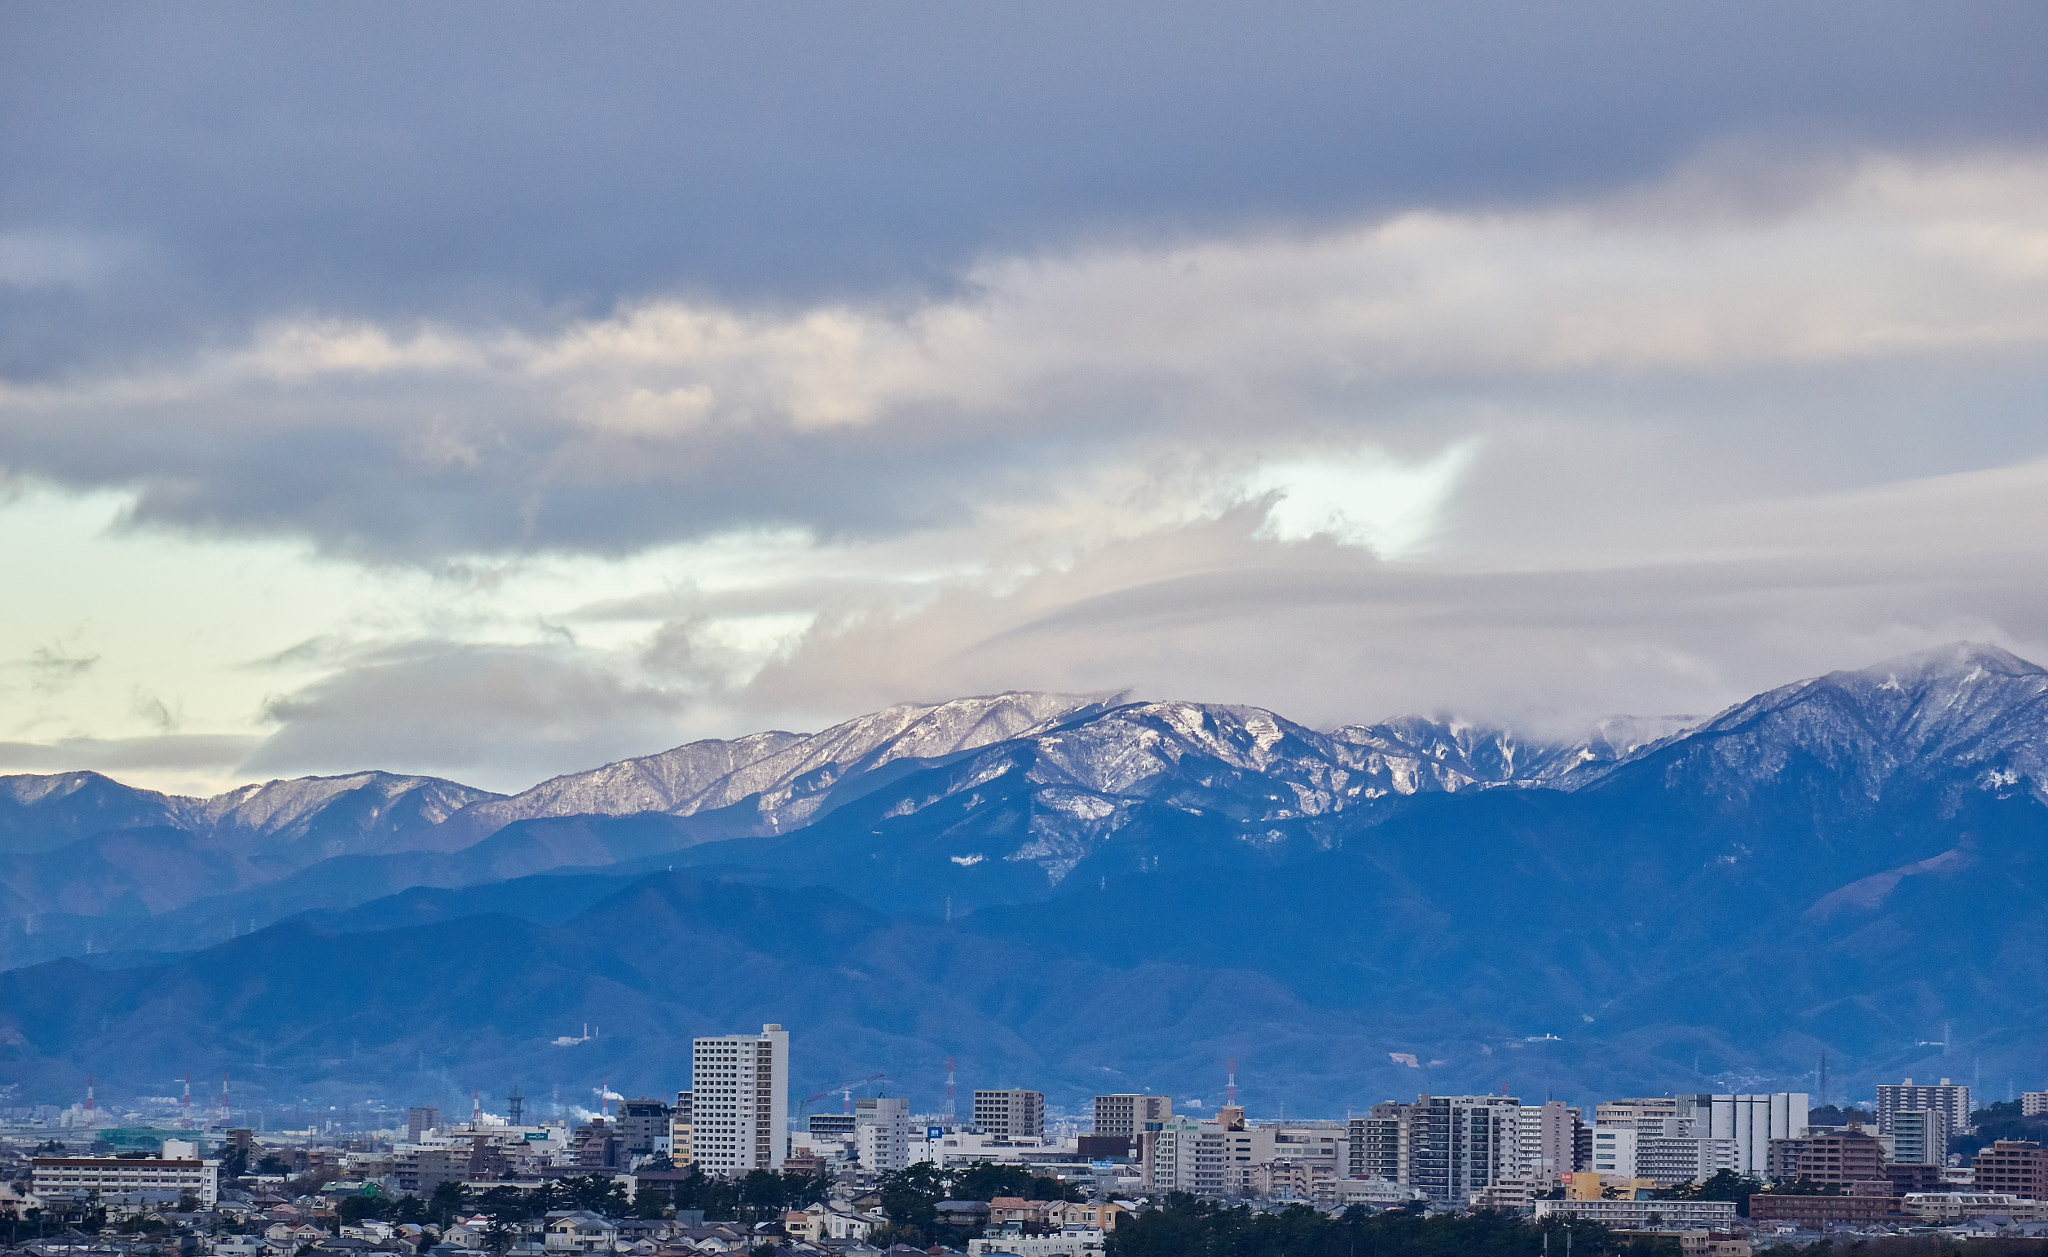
column 1137, row 891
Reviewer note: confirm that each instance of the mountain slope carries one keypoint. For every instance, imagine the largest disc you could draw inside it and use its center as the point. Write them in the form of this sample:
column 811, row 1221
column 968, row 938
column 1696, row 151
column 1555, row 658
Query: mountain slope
column 784, row 778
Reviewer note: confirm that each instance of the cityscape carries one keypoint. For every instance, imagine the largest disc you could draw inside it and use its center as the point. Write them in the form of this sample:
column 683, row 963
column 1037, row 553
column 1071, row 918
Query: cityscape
column 1030, row 628
column 724, row 1165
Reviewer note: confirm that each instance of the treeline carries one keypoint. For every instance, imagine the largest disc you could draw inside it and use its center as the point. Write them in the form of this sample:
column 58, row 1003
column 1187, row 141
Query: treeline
column 1911, row 1246
column 1189, row 1227
column 760, row 1196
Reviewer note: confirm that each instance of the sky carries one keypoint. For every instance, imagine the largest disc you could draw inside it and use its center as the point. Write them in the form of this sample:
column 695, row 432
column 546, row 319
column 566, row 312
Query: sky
column 497, row 391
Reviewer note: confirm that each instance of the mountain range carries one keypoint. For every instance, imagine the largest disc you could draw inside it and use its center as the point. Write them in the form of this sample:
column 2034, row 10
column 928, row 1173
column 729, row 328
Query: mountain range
column 1083, row 892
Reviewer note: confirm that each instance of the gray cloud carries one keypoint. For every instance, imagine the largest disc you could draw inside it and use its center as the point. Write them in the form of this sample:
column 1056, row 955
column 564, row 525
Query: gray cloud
column 496, row 716
column 1733, row 603
column 177, row 753
column 389, row 161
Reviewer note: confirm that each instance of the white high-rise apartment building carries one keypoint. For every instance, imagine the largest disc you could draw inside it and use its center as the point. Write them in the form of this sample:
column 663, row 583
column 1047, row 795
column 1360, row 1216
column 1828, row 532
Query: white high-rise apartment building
column 881, row 1132
column 739, row 1101
column 2033, row 1103
column 1946, row 1098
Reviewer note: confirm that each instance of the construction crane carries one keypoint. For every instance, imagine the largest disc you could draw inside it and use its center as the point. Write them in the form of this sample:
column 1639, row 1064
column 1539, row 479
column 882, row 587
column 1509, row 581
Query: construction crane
column 844, row 1088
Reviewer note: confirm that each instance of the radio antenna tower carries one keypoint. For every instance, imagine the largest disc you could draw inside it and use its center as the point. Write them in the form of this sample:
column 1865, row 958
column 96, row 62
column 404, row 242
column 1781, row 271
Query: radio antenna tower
column 518, row 1103
column 1230, row 1091
column 91, row 1118
column 949, row 1088
column 185, row 1118
column 226, row 1113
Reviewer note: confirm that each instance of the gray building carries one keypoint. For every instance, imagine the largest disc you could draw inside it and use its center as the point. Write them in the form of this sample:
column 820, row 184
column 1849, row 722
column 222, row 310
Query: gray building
column 1919, row 1137
column 1458, row 1145
column 1131, row 1114
column 419, row 1119
column 646, row 1126
column 1011, row 1113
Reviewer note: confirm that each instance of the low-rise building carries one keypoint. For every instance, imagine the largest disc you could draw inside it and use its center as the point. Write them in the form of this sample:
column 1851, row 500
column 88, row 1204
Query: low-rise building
column 578, row 1231
column 1815, row 1212
column 1946, row 1207
column 1373, row 1193
column 1640, row 1214
column 1076, row 1243
column 1712, row 1244
column 53, row 1177
column 1086, row 1215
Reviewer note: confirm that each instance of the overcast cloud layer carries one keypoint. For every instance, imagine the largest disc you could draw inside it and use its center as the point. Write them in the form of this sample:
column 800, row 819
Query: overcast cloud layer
column 382, row 389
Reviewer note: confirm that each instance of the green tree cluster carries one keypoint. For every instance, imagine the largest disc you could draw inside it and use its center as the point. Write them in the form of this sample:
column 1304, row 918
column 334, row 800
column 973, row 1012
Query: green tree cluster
column 910, row 1198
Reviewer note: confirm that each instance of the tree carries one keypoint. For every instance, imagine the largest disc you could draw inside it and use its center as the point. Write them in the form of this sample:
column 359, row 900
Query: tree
column 450, row 1200
column 595, row 1192
column 505, row 1204
column 354, row 1209
column 910, row 1196
column 760, row 1194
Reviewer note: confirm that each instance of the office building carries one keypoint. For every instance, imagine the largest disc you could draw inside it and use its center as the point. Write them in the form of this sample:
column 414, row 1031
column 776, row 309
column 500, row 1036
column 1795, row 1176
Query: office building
column 1919, row 1137
column 1010, row 1114
column 2034, row 1104
column 1946, row 1098
column 1131, row 1115
column 881, row 1132
column 78, row 1177
column 646, row 1127
column 420, row 1119
column 420, row 1171
column 739, row 1110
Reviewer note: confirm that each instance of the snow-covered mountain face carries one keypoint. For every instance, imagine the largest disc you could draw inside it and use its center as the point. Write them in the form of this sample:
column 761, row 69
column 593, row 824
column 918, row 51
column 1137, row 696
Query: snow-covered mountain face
column 1970, row 711
column 306, row 818
column 785, row 778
